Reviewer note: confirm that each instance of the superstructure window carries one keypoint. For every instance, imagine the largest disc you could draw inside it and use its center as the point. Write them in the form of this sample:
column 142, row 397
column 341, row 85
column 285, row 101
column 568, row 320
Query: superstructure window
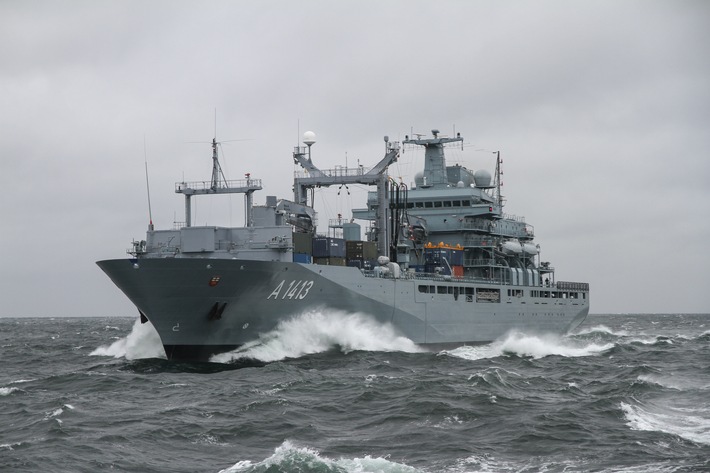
column 487, row 295
column 447, row 203
column 465, row 203
column 437, row 205
column 469, row 294
column 419, row 205
column 456, row 203
column 428, row 205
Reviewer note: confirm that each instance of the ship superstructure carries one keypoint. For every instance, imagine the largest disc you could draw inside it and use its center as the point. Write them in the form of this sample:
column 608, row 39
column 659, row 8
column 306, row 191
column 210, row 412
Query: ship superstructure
column 440, row 261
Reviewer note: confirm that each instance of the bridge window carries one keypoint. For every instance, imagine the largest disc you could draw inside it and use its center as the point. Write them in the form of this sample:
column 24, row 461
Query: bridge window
column 437, row 204
column 465, row 203
column 456, row 203
column 447, row 203
column 428, row 205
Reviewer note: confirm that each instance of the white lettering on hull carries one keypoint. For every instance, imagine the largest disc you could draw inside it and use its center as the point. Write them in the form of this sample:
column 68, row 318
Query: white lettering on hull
column 295, row 290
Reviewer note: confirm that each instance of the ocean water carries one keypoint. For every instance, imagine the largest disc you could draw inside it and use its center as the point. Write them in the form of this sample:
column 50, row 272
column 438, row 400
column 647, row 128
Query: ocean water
column 333, row 392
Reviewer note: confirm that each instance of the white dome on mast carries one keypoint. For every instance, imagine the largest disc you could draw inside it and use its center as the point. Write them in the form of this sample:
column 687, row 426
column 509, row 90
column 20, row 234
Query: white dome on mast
column 309, row 138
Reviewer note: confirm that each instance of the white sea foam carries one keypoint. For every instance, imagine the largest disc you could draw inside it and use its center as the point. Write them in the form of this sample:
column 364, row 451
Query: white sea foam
column 536, row 346
column 602, row 329
column 673, row 382
column 475, row 352
column 7, row 391
column 142, row 342
column 539, row 346
column 57, row 412
column 53, row 414
column 290, row 456
column 690, row 424
column 318, row 331
column 650, row 341
column 10, row 445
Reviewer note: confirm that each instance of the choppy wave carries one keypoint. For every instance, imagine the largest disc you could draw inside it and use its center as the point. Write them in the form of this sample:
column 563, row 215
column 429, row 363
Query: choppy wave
column 54, row 415
column 535, row 346
column 623, row 336
column 676, row 381
column 289, row 457
column 319, row 331
column 528, row 404
column 142, row 342
column 690, row 424
column 602, row 329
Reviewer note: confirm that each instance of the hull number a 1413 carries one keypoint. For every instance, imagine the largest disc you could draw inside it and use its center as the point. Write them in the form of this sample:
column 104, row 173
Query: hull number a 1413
column 295, row 290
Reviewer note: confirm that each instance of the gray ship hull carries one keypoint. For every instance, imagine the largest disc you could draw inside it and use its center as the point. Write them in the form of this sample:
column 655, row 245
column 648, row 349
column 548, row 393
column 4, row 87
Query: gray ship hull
column 202, row 306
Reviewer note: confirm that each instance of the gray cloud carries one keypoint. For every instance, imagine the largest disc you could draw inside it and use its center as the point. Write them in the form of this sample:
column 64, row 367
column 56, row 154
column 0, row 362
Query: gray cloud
column 600, row 110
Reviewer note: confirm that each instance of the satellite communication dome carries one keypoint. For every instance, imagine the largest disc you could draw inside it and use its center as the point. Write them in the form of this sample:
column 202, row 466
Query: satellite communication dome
column 309, row 138
column 482, row 178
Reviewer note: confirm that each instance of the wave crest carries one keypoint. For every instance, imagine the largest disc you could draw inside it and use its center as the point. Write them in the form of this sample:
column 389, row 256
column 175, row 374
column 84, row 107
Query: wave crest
column 318, row 331
column 142, row 342
column 289, row 457
column 535, row 346
column 693, row 425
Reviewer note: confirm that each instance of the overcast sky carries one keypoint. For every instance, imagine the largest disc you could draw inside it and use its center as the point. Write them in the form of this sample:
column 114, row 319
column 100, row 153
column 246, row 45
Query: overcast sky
column 600, row 109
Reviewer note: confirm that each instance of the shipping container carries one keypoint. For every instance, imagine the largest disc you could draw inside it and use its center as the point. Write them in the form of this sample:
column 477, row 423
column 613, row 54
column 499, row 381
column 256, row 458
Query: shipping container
column 331, row 261
column 362, row 250
column 369, row 250
column 437, row 255
column 303, row 243
column 326, row 247
column 302, row 258
column 456, row 257
column 353, row 250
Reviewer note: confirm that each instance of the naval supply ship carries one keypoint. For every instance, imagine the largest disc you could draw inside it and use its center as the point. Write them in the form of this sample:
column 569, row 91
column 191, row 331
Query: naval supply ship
column 440, row 261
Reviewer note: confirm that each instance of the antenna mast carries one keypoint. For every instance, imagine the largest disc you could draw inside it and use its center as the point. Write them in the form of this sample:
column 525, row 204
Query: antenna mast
column 218, row 186
column 147, row 185
column 499, row 172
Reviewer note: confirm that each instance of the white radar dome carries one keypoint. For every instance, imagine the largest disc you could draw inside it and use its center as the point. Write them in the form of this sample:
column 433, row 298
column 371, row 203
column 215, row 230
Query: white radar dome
column 482, row 178
column 309, row 138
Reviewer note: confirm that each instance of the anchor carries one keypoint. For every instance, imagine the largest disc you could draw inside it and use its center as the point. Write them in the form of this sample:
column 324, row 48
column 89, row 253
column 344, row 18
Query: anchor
column 215, row 312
